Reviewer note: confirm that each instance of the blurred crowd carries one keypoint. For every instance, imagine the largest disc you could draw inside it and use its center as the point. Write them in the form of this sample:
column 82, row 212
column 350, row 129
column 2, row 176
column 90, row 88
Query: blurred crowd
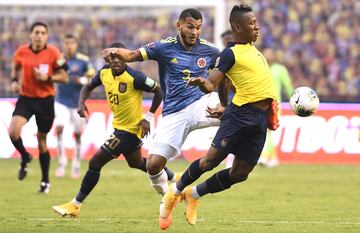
column 319, row 41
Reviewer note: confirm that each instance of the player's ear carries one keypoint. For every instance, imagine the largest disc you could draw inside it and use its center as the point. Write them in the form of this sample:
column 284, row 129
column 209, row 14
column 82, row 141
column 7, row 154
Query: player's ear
column 178, row 25
column 236, row 27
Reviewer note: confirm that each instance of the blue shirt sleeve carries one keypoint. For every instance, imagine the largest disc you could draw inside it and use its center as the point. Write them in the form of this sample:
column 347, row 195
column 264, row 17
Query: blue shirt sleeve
column 141, row 81
column 226, row 60
column 153, row 50
column 96, row 81
column 214, row 58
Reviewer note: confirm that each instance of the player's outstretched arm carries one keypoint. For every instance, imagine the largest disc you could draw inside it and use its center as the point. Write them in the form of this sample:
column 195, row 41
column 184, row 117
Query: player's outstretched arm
column 158, row 97
column 125, row 55
column 145, row 123
column 209, row 84
column 84, row 95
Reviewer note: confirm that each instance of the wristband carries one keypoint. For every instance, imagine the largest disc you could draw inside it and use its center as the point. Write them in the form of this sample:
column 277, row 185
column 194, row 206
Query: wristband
column 14, row 79
column 149, row 116
column 49, row 78
column 83, row 80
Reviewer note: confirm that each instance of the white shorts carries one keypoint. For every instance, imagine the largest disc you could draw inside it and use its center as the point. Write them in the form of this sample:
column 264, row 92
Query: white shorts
column 172, row 129
column 65, row 115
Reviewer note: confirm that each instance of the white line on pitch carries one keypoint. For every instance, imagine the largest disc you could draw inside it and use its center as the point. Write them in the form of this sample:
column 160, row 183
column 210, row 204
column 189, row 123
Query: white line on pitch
column 200, row 220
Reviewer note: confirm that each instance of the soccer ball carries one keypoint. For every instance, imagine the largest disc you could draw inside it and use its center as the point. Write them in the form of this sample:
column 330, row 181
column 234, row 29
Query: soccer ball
column 304, row 101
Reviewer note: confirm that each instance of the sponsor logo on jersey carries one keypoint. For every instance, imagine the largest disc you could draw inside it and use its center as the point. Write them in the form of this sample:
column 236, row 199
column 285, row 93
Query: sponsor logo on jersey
column 201, row 62
column 122, row 87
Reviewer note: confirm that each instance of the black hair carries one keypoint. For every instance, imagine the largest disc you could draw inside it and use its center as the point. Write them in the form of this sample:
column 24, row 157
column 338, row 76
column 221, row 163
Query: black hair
column 38, row 24
column 70, row 36
column 190, row 12
column 226, row 33
column 117, row 45
column 237, row 11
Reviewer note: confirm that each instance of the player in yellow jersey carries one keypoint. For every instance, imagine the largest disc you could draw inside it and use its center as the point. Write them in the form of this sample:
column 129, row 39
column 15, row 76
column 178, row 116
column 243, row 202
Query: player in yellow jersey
column 123, row 87
column 244, row 122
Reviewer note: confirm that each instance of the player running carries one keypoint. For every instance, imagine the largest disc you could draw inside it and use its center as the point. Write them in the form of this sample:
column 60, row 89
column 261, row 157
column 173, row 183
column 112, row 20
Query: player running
column 41, row 65
column 244, row 122
column 123, row 87
column 66, row 101
column 179, row 57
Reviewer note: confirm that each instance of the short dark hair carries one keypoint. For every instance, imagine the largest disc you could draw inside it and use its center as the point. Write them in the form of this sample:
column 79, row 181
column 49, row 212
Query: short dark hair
column 117, row 45
column 226, row 33
column 237, row 11
column 190, row 12
column 38, row 24
column 70, row 36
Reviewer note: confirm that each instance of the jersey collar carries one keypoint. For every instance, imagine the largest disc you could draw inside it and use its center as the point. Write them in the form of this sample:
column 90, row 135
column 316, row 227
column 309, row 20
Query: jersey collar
column 182, row 47
column 231, row 44
column 30, row 47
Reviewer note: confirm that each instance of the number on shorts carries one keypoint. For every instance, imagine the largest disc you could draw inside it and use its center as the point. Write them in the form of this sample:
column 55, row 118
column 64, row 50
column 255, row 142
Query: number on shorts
column 112, row 142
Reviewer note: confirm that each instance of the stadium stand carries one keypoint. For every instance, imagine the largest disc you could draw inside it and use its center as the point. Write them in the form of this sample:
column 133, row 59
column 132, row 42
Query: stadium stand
column 319, row 41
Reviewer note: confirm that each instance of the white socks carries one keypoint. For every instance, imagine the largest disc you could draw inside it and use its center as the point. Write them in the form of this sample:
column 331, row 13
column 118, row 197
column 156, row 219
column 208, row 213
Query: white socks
column 159, row 182
column 194, row 193
column 76, row 202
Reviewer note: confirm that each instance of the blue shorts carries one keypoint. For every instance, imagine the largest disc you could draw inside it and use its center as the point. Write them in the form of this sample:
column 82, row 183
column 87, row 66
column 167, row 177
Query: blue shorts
column 121, row 142
column 242, row 132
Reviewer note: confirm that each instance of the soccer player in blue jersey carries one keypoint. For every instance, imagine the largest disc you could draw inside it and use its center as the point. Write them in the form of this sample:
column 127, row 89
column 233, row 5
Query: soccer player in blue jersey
column 243, row 123
column 123, row 87
column 66, row 101
column 184, row 110
column 179, row 57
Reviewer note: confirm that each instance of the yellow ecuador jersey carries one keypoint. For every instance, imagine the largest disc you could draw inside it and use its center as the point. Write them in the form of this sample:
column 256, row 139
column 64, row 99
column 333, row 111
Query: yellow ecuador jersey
column 124, row 96
column 249, row 72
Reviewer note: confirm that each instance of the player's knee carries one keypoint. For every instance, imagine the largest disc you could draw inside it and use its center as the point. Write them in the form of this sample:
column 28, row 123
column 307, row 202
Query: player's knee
column 155, row 164
column 77, row 137
column 153, row 168
column 207, row 164
column 94, row 166
column 238, row 176
column 14, row 134
column 135, row 164
column 59, row 129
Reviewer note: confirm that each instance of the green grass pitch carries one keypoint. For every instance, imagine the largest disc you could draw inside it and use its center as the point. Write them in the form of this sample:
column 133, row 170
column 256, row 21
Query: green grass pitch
column 288, row 198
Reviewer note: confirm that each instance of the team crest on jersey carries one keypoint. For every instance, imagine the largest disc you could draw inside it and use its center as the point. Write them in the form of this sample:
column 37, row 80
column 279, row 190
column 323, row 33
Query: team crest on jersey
column 122, row 87
column 201, row 62
column 224, row 142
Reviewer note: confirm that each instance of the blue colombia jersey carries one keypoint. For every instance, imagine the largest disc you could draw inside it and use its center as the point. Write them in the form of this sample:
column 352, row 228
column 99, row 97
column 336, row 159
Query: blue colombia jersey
column 68, row 94
column 176, row 63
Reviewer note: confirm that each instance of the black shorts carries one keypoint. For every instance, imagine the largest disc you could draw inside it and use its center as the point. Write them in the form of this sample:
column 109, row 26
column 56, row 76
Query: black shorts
column 42, row 108
column 121, row 142
column 242, row 132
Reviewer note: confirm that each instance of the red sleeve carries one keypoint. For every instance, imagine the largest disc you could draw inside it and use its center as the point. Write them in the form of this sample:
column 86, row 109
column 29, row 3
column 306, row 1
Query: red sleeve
column 16, row 58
